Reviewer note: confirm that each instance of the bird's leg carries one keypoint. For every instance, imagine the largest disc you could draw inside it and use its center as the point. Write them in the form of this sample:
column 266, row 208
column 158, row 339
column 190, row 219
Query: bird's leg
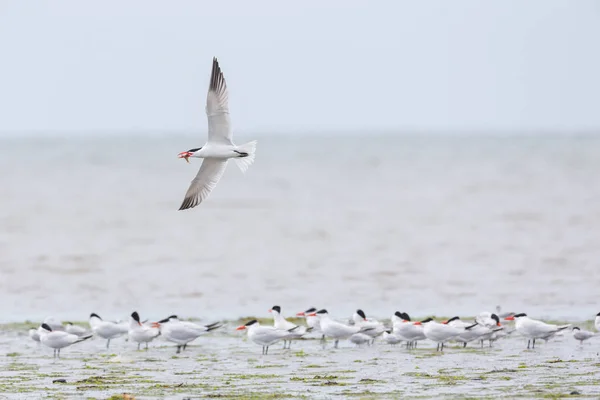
column 107, row 343
column 263, row 350
column 58, row 353
column 442, row 346
column 139, row 346
column 464, row 345
column 146, row 345
column 438, row 347
column 178, row 349
column 54, row 354
column 335, row 344
column 528, row 343
column 267, row 350
column 534, row 343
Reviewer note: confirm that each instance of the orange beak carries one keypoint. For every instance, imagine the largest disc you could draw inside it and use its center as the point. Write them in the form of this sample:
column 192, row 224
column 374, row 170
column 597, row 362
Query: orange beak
column 185, row 154
column 270, row 310
column 445, row 322
column 417, row 323
column 499, row 324
column 511, row 318
column 240, row 328
column 155, row 325
column 312, row 314
column 300, row 314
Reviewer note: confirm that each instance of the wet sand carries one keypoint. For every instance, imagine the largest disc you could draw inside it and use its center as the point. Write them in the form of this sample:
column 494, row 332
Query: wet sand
column 226, row 364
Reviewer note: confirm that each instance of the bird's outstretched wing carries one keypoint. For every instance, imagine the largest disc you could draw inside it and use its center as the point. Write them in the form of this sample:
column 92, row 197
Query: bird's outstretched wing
column 217, row 107
column 205, row 181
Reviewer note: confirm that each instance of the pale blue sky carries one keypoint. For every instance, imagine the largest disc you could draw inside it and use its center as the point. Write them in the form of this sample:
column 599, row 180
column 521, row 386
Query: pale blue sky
column 301, row 66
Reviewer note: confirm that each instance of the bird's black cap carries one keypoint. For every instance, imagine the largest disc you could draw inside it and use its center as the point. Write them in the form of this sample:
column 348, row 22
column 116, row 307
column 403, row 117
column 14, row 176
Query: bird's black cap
column 95, row 315
column 398, row 314
column 251, row 322
column 520, row 315
column 406, row 316
column 361, row 313
column 312, row 309
column 194, row 150
column 323, row 311
column 427, row 320
column 453, row 319
column 47, row 327
column 495, row 318
column 276, row 308
column 135, row 316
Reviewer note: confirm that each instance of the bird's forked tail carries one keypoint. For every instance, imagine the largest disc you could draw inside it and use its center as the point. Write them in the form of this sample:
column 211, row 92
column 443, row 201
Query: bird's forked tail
column 246, row 158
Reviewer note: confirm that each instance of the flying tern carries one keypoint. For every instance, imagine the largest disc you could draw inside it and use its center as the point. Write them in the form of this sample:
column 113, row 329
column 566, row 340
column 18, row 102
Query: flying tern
column 219, row 148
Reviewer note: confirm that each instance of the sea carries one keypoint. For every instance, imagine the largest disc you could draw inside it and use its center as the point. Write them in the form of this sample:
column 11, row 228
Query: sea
column 429, row 224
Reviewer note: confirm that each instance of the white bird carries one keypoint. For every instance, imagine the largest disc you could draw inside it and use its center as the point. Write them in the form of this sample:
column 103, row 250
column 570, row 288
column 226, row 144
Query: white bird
column 533, row 329
column 439, row 333
column 390, row 338
column 76, row 330
column 581, row 335
column 597, row 322
column 263, row 335
column 360, row 338
column 406, row 330
column 334, row 329
column 58, row 339
column 279, row 322
column 54, row 324
column 360, row 319
column 141, row 333
column 34, row 334
column 183, row 332
column 312, row 322
column 107, row 329
column 220, row 147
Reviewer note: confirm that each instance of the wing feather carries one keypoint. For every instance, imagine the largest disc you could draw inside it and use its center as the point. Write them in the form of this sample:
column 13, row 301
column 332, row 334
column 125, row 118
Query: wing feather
column 208, row 176
column 217, row 107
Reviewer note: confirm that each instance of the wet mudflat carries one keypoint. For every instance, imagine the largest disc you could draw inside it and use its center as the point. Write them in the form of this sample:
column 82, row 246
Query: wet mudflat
column 226, row 364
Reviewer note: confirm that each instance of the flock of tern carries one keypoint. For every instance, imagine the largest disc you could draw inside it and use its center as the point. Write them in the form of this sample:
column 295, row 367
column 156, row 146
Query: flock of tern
column 359, row 330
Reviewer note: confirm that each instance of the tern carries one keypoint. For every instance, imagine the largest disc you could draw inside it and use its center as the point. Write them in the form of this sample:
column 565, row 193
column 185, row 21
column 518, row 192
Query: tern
column 533, row 329
column 76, row 330
column 220, row 147
column 107, row 329
column 296, row 331
column 360, row 319
column 336, row 330
column 439, row 333
column 581, row 335
column 405, row 329
column 141, row 333
column 183, row 332
column 390, row 338
column 263, row 335
column 34, row 334
column 58, row 339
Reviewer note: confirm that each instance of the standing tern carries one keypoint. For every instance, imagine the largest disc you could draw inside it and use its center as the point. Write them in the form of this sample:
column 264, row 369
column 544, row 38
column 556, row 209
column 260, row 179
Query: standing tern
column 107, row 329
column 360, row 319
column 439, row 333
column 141, row 333
column 220, row 147
column 263, row 335
column 76, row 330
column 390, row 338
column 59, row 339
column 296, row 331
column 406, row 330
column 336, row 330
column 581, row 335
column 183, row 332
column 533, row 329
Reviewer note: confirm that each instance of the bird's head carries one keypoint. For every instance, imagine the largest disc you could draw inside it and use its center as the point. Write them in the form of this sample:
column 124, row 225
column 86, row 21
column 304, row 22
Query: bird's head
column 187, row 154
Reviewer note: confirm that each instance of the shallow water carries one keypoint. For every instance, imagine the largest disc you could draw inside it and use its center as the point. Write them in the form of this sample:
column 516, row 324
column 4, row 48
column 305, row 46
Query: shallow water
column 428, row 224
column 226, row 364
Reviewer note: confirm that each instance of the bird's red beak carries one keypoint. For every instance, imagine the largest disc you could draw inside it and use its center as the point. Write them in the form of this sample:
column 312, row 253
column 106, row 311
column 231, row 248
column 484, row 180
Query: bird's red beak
column 511, row 318
column 498, row 323
column 185, row 154
column 270, row 310
column 417, row 323
column 155, row 325
column 240, row 328
column 312, row 314
column 445, row 322
column 300, row 314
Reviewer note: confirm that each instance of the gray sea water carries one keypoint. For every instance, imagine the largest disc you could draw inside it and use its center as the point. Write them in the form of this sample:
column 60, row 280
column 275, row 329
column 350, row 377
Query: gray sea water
column 428, row 224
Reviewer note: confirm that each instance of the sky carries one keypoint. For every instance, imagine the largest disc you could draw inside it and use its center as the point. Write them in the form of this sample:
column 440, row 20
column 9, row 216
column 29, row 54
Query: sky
column 115, row 65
